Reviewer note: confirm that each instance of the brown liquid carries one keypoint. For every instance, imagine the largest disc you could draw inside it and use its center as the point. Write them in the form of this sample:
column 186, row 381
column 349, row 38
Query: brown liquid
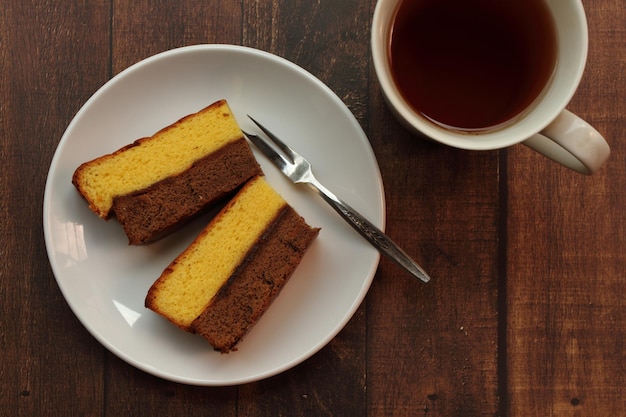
column 472, row 64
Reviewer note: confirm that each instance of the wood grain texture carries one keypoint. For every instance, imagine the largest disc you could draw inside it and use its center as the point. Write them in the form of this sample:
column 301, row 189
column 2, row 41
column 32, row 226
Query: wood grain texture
column 141, row 29
column 433, row 348
column 328, row 39
column 46, row 76
column 567, row 254
column 525, row 314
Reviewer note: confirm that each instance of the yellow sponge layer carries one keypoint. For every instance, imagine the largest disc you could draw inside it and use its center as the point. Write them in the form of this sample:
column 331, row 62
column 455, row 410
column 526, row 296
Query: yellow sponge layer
column 168, row 152
column 190, row 282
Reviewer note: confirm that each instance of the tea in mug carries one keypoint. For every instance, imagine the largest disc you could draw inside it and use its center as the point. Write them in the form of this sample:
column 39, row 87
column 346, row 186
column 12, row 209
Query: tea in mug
column 472, row 65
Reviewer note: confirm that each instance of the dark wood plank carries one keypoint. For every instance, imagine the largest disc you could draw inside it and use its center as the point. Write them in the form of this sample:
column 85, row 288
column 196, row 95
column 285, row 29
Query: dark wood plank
column 131, row 392
column 142, row 29
column 145, row 28
column 567, row 254
column 53, row 56
column 433, row 348
column 330, row 40
column 331, row 383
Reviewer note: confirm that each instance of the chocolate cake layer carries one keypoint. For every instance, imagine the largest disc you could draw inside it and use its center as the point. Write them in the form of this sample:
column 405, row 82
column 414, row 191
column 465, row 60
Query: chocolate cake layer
column 149, row 214
column 256, row 282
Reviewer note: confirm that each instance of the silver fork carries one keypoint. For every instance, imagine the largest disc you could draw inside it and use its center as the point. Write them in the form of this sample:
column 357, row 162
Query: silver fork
column 298, row 170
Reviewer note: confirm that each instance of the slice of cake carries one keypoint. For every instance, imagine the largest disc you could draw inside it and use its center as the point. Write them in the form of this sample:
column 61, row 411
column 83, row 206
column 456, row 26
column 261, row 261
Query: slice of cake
column 224, row 281
column 157, row 184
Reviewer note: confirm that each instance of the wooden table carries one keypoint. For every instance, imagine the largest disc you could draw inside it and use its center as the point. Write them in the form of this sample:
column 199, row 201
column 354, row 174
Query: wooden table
column 525, row 315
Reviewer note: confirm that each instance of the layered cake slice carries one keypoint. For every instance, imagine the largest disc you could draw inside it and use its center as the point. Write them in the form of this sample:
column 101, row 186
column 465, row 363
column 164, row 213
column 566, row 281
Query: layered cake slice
column 225, row 280
column 156, row 184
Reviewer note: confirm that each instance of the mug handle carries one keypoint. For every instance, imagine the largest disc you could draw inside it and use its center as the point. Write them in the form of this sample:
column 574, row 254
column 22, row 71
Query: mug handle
column 571, row 142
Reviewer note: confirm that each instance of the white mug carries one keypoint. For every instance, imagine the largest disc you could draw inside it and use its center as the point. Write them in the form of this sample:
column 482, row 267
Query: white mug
column 546, row 126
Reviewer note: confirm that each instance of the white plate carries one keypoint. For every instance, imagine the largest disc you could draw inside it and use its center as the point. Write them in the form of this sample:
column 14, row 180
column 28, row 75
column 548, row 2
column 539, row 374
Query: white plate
column 104, row 280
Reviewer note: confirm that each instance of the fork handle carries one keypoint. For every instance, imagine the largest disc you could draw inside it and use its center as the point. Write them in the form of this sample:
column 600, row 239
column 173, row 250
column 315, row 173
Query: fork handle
column 371, row 233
